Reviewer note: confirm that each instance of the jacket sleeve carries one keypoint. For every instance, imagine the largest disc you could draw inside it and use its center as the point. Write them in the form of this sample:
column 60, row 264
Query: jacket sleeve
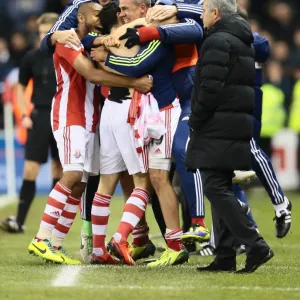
column 147, row 57
column 187, row 31
column 66, row 21
column 209, row 80
column 262, row 48
column 88, row 40
column 190, row 11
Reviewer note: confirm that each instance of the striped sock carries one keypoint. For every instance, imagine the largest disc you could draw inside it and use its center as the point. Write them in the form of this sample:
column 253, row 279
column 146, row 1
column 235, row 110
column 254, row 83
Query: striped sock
column 134, row 210
column 100, row 215
column 56, row 202
column 173, row 239
column 65, row 221
column 140, row 233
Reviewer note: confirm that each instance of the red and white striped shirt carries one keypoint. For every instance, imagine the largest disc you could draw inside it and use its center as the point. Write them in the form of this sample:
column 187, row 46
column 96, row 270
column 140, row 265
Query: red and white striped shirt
column 77, row 101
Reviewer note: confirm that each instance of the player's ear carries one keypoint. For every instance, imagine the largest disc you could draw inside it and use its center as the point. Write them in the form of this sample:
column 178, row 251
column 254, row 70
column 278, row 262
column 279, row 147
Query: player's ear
column 80, row 18
column 143, row 9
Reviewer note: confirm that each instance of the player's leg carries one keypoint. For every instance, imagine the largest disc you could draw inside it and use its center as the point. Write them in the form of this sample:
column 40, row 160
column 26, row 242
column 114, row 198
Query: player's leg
column 100, row 217
column 127, row 185
column 191, row 184
column 86, row 233
column 71, row 146
column 90, row 142
column 133, row 212
column 159, row 167
column 14, row 224
column 263, row 167
column 36, row 153
column 111, row 166
column 56, row 168
column 241, row 196
column 135, row 165
column 65, row 221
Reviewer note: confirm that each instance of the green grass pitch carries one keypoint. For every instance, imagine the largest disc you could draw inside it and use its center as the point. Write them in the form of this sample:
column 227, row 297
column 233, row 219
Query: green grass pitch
column 23, row 277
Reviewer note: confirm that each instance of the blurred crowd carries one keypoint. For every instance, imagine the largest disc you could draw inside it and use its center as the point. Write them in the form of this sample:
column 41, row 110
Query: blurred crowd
column 277, row 20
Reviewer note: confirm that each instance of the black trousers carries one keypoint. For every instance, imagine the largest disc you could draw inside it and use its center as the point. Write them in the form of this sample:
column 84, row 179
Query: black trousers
column 229, row 220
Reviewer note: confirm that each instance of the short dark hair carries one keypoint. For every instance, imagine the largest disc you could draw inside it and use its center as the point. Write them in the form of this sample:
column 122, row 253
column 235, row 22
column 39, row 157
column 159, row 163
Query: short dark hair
column 108, row 16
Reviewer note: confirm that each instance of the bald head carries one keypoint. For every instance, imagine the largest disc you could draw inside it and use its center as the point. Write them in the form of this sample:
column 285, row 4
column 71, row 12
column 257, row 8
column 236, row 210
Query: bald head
column 88, row 8
column 88, row 16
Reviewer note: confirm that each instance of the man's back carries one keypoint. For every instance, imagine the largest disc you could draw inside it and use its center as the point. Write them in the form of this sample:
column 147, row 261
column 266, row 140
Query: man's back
column 223, row 96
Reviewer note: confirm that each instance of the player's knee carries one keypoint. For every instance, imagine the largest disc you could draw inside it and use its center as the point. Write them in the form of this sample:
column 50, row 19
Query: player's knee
column 31, row 170
column 159, row 178
column 71, row 179
column 142, row 180
column 108, row 183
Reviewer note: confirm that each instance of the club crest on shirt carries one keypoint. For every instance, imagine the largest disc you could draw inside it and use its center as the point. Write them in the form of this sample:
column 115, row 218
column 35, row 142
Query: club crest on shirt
column 77, row 154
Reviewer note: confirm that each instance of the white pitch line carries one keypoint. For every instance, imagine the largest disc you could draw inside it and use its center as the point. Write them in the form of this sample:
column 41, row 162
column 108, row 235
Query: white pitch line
column 176, row 288
column 67, row 276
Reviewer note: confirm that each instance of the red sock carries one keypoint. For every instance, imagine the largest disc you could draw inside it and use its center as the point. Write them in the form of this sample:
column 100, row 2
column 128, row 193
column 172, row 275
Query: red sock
column 199, row 221
column 56, row 202
column 65, row 221
column 100, row 215
column 134, row 210
column 173, row 239
column 140, row 233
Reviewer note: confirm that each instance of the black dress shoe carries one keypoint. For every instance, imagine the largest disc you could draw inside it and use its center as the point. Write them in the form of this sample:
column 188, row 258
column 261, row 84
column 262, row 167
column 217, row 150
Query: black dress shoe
column 214, row 267
column 255, row 261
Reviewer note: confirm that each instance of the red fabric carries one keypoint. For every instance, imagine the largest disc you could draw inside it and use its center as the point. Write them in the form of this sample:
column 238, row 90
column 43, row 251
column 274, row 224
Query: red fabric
column 102, row 201
column 68, row 214
column 173, row 239
column 140, row 233
column 199, row 221
column 69, row 54
column 76, row 101
column 148, row 34
column 133, row 112
column 186, row 56
column 105, row 91
column 132, row 206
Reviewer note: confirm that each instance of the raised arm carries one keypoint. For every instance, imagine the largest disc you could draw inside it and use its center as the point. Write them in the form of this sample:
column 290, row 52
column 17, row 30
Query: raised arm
column 148, row 56
column 86, row 69
column 163, row 10
column 66, row 21
column 186, row 31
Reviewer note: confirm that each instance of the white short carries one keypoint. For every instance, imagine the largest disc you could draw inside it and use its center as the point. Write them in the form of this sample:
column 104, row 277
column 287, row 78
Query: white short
column 117, row 150
column 78, row 149
column 160, row 151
